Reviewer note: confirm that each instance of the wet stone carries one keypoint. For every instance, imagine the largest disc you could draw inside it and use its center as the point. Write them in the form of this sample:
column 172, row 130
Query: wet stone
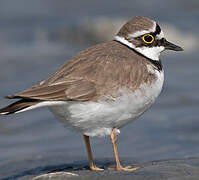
column 180, row 169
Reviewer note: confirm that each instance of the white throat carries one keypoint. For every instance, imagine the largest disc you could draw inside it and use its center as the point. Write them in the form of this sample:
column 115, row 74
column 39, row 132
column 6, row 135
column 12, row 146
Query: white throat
column 149, row 52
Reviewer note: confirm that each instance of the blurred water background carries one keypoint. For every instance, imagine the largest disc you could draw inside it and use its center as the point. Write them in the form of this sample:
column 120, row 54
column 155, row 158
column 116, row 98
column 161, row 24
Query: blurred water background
column 37, row 37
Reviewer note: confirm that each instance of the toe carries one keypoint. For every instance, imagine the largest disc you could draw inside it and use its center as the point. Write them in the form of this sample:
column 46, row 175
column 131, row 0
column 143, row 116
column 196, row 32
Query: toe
column 94, row 168
column 128, row 168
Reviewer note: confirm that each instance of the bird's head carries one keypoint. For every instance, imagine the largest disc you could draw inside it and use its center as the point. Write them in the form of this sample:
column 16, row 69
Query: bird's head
column 145, row 37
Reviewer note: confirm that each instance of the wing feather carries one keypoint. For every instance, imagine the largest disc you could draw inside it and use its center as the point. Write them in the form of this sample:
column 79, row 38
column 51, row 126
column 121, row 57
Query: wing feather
column 78, row 90
column 96, row 72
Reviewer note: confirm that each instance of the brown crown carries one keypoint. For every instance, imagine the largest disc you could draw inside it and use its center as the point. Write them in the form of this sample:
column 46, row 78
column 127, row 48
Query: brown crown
column 138, row 23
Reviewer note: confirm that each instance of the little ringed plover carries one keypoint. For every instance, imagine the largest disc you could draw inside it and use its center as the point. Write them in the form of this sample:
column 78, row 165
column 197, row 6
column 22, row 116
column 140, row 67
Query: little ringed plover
column 105, row 87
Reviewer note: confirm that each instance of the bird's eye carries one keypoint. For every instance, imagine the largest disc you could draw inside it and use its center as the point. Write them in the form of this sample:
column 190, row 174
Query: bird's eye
column 148, row 38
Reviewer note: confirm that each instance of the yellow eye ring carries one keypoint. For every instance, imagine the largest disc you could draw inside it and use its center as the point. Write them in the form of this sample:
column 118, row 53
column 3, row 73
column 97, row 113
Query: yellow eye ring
column 148, row 38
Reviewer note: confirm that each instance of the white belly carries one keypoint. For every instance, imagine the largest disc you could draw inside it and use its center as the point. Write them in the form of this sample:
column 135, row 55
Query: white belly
column 99, row 118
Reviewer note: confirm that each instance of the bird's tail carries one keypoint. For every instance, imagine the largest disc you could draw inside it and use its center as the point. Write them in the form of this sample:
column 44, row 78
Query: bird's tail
column 19, row 106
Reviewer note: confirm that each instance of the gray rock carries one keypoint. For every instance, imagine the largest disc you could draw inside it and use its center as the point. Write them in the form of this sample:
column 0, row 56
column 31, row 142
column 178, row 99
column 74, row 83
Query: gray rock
column 57, row 176
column 180, row 169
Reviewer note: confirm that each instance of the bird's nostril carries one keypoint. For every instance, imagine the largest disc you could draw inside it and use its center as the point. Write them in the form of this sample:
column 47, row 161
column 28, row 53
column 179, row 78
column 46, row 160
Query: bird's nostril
column 161, row 41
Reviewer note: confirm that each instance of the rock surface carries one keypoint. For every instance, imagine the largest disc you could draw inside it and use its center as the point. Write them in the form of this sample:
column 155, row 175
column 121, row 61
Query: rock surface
column 180, row 169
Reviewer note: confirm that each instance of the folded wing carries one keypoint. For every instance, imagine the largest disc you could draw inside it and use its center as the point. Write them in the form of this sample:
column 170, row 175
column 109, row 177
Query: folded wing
column 80, row 89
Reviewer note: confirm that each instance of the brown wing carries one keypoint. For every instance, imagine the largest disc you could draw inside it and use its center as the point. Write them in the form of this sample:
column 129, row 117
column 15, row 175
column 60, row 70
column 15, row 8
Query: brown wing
column 81, row 90
column 95, row 72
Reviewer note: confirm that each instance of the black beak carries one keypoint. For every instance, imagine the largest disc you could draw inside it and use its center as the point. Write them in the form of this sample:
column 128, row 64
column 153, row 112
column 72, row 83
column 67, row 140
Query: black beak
column 171, row 46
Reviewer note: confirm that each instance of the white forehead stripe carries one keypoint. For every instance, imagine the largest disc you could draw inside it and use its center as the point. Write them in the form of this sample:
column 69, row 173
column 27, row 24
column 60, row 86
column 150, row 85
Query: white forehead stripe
column 140, row 33
column 160, row 36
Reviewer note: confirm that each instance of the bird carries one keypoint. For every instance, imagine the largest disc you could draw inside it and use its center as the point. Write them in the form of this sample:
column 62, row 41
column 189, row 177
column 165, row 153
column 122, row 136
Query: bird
column 104, row 87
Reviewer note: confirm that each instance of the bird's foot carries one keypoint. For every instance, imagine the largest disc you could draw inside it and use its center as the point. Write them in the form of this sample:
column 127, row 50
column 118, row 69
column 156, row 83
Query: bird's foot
column 127, row 168
column 95, row 168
